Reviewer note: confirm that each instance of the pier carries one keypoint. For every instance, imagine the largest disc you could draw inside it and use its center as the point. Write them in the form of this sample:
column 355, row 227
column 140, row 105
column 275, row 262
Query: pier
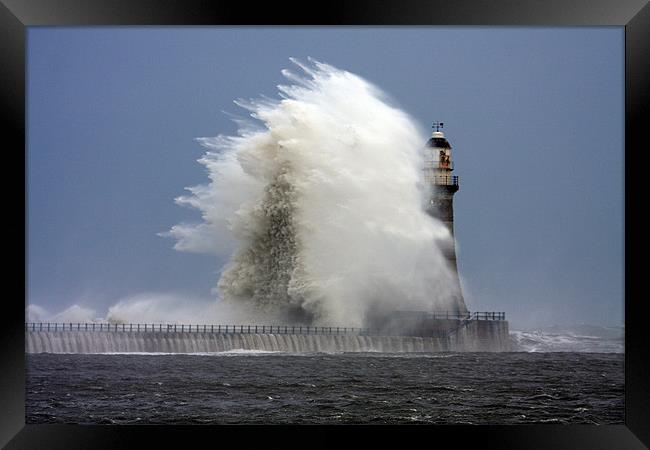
column 435, row 332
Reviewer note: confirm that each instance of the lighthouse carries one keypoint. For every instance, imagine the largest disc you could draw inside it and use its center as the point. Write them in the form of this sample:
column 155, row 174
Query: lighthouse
column 438, row 167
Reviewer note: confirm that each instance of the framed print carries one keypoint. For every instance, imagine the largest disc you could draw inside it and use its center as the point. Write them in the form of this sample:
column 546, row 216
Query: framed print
column 420, row 216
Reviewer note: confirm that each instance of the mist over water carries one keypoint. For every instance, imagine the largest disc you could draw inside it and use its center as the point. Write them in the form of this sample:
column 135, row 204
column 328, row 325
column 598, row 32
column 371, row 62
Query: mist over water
column 319, row 203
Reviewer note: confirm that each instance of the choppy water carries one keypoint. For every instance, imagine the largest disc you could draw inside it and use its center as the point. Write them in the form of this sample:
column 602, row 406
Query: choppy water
column 575, row 338
column 260, row 387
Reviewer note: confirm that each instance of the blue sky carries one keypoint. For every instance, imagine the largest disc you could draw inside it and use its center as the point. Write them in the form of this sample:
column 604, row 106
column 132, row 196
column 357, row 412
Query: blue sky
column 534, row 115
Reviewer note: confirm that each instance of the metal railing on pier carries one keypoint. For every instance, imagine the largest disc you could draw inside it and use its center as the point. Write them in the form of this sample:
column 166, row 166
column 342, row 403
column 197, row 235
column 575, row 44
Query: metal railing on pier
column 250, row 329
column 477, row 316
column 175, row 328
column 455, row 315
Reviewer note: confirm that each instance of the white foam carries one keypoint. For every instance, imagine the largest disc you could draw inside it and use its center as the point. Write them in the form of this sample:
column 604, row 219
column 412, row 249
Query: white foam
column 324, row 202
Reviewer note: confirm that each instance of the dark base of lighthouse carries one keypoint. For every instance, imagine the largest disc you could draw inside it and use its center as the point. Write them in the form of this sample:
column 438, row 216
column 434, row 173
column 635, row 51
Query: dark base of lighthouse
column 441, row 206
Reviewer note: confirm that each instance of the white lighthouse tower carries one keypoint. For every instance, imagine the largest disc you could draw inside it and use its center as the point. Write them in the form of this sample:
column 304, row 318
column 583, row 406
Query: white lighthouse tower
column 438, row 167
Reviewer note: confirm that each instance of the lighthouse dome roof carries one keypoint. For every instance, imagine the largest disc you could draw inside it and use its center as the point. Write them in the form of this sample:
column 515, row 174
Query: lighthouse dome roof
column 438, row 140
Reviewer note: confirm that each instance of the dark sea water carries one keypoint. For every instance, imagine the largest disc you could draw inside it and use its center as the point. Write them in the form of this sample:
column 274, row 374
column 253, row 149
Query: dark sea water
column 276, row 388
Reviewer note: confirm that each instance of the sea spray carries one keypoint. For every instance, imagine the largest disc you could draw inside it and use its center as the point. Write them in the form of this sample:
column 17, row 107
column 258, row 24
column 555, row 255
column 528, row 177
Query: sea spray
column 321, row 208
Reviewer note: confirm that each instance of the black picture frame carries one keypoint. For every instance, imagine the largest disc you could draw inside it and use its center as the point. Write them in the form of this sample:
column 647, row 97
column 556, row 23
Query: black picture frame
column 634, row 15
